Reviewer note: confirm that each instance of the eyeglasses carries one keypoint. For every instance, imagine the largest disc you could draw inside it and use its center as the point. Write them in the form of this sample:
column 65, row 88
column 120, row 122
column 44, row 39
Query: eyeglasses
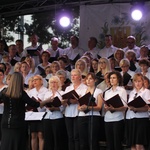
column 36, row 79
column 53, row 82
column 101, row 62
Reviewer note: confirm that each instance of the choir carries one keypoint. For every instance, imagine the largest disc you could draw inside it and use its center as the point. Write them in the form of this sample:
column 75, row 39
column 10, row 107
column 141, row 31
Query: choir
column 97, row 95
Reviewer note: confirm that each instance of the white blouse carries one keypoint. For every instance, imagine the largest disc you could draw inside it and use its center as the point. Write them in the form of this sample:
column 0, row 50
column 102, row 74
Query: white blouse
column 117, row 115
column 72, row 109
column 95, row 113
column 55, row 114
column 145, row 94
column 38, row 94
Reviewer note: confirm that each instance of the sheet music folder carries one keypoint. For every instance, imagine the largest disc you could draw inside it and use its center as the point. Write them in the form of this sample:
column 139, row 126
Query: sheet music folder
column 32, row 52
column 84, row 100
column 29, row 108
column 34, row 116
column 115, row 101
column 75, row 59
column 70, row 95
column 55, row 103
column 126, row 78
column 137, row 102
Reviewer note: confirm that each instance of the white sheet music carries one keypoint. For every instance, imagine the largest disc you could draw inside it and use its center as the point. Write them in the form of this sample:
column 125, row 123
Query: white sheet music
column 33, row 116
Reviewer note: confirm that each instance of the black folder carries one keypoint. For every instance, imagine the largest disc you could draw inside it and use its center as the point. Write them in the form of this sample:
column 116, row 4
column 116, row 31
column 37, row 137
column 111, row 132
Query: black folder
column 55, row 103
column 13, row 62
column 118, row 69
column 51, row 59
column 111, row 56
column 32, row 52
column 86, row 100
column 70, row 95
column 137, row 102
column 126, row 79
column 98, row 56
column 28, row 107
column 115, row 101
column 75, row 59
column 42, row 71
column 132, row 66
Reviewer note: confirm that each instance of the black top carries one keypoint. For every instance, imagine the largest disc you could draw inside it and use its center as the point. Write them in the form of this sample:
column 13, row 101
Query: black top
column 14, row 110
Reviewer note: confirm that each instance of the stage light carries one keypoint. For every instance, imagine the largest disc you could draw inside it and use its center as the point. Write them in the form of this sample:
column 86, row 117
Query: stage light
column 64, row 18
column 136, row 14
column 64, row 21
column 137, row 10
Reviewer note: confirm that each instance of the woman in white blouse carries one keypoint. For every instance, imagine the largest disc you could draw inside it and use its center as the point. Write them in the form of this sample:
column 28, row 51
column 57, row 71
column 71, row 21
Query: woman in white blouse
column 71, row 111
column 89, row 123
column 55, row 136
column 114, row 117
column 137, row 118
column 36, row 127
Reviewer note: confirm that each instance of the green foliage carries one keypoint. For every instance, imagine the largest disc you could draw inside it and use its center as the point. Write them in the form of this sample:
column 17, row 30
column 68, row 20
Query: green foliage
column 46, row 26
column 8, row 25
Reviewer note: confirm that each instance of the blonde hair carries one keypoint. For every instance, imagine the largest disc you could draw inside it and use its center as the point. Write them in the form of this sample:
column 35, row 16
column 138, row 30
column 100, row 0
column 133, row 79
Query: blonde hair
column 108, row 68
column 85, row 71
column 137, row 75
column 124, row 61
column 78, row 72
column 119, row 50
column 40, row 77
column 56, row 79
column 15, row 87
column 31, row 63
column 17, row 64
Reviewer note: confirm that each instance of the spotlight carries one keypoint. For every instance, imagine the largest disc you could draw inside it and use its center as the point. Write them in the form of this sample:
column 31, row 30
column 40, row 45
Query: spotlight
column 64, row 21
column 136, row 14
column 64, row 18
column 137, row 11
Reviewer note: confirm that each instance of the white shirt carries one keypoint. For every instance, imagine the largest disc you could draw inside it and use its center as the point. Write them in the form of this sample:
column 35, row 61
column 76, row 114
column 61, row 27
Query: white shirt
column 53, row 53
column 2, row 105
column 145, row 94
column 147, row 75
column 27, row 77
column 95, row 113
column 72, row 53
column 107, row 51
column 72, row 109
column 136, row 50
column 23, row 53
column 94, row 52
column 117, row 115
column 55, row 114
column 38, row 94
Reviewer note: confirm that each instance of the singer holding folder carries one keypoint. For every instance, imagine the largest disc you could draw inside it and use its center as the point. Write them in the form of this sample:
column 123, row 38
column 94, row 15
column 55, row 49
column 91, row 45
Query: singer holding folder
column 137, row 116
column 85, row 116
column 55, row 135
column 71, row 110
column 114, row 117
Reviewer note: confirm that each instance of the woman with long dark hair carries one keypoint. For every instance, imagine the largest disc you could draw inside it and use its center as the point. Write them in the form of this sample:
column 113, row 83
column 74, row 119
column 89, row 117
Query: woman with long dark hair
column 13, row 120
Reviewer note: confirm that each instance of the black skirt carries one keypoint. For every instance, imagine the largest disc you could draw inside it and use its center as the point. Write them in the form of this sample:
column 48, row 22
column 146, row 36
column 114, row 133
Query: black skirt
column 13, row 139
column 136, row 131
column 36, row 126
